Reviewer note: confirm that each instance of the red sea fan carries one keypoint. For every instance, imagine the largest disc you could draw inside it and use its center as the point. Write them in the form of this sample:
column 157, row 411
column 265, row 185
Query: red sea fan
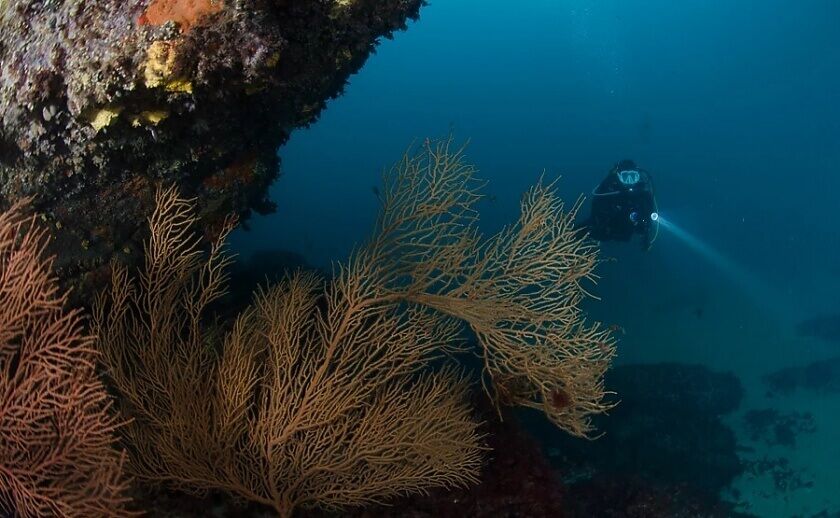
column 56, row 427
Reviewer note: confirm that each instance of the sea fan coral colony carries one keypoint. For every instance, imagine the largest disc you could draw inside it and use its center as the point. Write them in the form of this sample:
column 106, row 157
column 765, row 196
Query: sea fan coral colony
column 303, row 405
column 56, row 424
column 321, row 395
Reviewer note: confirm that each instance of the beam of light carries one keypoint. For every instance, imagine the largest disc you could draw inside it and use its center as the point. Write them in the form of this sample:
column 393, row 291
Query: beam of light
column 757, row 290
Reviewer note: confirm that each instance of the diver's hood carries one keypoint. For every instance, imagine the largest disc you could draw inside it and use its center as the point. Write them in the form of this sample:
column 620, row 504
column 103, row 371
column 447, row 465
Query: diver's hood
column 629, row 177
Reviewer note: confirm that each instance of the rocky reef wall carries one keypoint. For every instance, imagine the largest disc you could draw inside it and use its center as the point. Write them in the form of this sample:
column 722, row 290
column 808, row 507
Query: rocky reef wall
column 103, row 100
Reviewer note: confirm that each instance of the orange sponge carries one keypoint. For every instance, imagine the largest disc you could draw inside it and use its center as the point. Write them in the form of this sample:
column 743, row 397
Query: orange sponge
column 185, row 13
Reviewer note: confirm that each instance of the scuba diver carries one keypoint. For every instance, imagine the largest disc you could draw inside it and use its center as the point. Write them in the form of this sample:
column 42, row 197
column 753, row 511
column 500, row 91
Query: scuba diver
column 623, row 205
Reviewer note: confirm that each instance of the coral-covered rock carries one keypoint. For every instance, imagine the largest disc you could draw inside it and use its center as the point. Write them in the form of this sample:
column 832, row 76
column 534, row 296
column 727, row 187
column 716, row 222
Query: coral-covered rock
column 103, row 99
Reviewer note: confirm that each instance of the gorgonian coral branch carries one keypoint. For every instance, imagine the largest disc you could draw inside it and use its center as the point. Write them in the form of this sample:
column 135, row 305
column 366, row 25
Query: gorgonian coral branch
column 56, row 428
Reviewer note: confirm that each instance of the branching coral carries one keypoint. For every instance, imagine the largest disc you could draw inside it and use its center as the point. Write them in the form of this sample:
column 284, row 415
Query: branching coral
column 321, row 394
column 519, row 290
column 56, row 430
column 314, row 399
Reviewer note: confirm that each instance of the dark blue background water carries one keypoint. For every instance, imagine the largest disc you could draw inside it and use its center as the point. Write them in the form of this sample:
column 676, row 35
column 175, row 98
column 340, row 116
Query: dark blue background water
column 731, row 105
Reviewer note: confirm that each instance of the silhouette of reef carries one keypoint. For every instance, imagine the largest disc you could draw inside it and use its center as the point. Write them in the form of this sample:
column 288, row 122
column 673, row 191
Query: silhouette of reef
column 775, row 428
column 786, row 478
column 821, row 377
column 666, row 431
column 101, row 100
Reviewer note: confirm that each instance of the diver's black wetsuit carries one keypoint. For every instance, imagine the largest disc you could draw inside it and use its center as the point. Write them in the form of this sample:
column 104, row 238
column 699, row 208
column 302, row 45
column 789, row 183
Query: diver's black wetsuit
column 620, row 209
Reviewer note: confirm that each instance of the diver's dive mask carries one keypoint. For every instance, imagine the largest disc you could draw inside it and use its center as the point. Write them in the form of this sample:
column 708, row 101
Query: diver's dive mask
column 629, row 177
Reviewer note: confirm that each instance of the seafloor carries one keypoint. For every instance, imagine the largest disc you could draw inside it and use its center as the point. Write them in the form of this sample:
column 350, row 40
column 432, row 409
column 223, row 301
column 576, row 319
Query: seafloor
column 786, row 436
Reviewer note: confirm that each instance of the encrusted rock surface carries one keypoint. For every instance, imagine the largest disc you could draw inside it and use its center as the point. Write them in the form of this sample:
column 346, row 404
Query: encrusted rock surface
column 102, row 100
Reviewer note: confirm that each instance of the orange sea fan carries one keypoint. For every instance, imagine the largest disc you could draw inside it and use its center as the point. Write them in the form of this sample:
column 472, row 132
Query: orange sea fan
column 56, row 431
column 321, row 395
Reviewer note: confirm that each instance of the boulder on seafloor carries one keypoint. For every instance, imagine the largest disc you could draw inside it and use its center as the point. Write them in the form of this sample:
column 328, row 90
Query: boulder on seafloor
column 103, row 100
column 818, row 377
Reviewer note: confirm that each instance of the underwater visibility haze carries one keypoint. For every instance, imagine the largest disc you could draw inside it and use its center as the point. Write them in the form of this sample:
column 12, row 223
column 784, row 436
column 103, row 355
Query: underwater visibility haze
column 455, row 258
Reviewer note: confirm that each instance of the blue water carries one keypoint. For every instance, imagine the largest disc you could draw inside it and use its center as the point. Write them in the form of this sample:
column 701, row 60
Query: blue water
column 732, row 106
